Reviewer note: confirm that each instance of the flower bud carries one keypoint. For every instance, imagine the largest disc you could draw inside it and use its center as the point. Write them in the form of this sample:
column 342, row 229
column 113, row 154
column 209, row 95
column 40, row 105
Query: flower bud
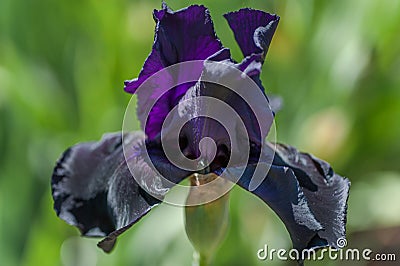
column 206, row 225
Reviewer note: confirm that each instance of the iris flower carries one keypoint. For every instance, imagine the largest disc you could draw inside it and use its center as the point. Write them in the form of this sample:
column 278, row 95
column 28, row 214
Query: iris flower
column 92, row 185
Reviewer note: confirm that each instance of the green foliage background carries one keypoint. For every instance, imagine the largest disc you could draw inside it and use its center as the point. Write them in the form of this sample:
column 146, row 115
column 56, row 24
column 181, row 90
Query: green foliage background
column 336, row 64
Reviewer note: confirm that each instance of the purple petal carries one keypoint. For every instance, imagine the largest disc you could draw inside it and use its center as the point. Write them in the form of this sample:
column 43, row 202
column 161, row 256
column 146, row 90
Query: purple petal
column 183, row 35
column 221, row 55
column 251, row 65
column 253, row 29
column 249, row 115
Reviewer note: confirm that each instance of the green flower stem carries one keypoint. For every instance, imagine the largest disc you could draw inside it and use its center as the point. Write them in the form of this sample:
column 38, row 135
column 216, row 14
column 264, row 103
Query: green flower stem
column 206, row 224
column 203, row 261
column 200, row 260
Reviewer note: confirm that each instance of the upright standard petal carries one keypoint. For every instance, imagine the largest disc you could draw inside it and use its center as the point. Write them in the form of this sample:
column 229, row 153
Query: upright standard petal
column 93, row 188
column 226, row 106
column 183, row 35
column 253, row 29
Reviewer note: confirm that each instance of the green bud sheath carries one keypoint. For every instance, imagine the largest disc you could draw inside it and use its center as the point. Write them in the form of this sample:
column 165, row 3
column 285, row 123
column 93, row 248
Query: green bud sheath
column 206, row 225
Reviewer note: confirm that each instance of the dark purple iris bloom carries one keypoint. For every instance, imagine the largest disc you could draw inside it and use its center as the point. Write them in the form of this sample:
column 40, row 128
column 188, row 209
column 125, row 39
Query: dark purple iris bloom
column 93, row 188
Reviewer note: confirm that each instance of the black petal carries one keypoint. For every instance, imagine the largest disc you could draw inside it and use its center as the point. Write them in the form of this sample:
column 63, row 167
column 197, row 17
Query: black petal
column 282, row 192
column 94, row 190
column 306, row 194
column 326, row 191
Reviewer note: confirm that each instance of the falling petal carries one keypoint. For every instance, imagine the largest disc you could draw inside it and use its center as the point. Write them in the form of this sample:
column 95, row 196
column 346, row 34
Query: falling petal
column 93, row 188
column 326, row 191
column 306, row 194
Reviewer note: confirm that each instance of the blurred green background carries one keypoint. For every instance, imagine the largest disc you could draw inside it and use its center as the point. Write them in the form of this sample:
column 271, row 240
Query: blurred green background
column 336, row 64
